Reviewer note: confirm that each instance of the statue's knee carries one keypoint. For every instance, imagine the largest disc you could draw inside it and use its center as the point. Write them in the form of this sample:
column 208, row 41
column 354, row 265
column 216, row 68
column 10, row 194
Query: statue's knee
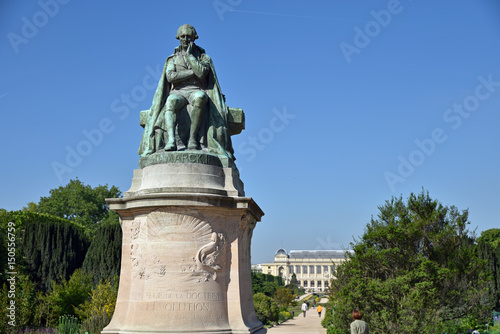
column 173, row 102
column 199, row 99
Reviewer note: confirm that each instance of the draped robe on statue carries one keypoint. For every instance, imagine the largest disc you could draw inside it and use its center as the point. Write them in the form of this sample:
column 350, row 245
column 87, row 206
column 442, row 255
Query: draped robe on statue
column 214, row 132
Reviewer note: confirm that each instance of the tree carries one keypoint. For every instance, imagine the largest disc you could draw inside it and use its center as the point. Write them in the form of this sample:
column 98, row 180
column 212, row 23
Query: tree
column 25, row 298
column 283, row 297
column 46, row 247
column 103, row 300
column 488, row 247
column 31, row 206
column 266, row 283
column 103, row 258
column 79, row 203
column 53, row 248
column 64, row 298
column 414, row 270
column 294, row 285
column 265, row 308
column 491, row 236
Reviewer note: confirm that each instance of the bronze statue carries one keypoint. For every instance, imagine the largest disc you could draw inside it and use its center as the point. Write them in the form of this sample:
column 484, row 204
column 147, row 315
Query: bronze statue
column 188, row 110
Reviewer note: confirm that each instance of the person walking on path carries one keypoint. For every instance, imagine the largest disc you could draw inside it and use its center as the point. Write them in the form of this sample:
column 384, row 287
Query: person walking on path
column 304, row 308
column 358, row 326
column 319, row 309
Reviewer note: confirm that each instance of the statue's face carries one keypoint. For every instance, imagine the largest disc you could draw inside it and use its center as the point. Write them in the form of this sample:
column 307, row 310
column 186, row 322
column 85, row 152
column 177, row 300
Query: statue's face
column 186, row 36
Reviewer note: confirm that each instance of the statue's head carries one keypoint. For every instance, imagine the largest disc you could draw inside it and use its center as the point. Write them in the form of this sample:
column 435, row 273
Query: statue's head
column 186, row 30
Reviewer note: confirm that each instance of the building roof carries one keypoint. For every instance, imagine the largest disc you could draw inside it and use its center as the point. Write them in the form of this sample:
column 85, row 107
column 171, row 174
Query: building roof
column 280, row 251
column 317, row 254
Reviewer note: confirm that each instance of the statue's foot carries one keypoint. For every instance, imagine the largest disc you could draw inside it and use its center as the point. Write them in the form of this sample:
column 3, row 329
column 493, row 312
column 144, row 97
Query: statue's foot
column 171, row 147
column 192, row 145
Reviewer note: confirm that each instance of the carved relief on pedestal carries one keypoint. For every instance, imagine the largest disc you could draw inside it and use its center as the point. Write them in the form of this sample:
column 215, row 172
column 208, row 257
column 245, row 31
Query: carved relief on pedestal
column 207, row 258
column 180, row 244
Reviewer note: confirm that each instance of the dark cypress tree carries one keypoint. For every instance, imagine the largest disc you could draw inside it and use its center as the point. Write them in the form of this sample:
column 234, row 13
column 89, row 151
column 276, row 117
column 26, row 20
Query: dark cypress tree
column 294, row 285
column 103, row 258
column 52, row 248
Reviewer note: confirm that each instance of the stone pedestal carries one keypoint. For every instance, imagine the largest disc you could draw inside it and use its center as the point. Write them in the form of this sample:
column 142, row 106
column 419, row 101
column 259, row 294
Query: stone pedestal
column 187, row 228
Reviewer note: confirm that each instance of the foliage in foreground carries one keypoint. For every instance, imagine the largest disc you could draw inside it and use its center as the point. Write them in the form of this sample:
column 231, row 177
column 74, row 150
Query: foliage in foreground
column 63, row 299
column 103, row 300
column 414, row 270
column 68, row 325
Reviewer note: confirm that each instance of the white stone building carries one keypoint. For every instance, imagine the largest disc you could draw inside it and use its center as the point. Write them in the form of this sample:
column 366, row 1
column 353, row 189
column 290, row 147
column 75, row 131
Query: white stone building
column 313, row 268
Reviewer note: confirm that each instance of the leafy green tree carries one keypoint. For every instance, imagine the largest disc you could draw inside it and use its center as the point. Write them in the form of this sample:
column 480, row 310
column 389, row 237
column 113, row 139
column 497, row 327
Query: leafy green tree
column 79, row 203
column 64, row 299
column 265, row 308
column 283, row 297
column 3, row 251
column 24, row 298
column 491, row 236
column 103, row 300
column 488, row 247
column 31, row 206
column 266, row 283
column 414, row 270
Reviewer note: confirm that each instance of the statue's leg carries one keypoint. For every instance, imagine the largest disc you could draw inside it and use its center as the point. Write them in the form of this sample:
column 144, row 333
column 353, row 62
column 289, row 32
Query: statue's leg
column 173, row 105
column 159, row 143
column 198, row 101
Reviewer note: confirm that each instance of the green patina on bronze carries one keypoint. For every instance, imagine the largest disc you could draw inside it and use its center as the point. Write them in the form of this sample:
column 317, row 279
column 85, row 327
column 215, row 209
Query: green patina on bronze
column 188, row 112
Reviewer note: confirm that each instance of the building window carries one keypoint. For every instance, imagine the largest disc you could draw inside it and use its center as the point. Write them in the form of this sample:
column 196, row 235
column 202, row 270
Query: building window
column 298, row 269
column 318, row 269
column 319, row 284
column 304, row 269
column 312, row 284
column 325, row 269
column 290, row 268
column 311, row 269
column 305, row 284
column 326, row 284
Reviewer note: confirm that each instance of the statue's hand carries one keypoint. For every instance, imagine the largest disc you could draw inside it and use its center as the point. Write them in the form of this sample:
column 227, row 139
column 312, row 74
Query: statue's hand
column 189, row 49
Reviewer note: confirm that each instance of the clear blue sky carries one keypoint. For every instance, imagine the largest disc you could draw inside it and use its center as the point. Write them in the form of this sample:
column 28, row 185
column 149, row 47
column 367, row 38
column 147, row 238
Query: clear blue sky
column 347, row 103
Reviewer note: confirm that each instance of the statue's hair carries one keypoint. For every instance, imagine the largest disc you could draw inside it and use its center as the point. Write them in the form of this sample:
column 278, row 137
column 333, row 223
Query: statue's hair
column 193, row 30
